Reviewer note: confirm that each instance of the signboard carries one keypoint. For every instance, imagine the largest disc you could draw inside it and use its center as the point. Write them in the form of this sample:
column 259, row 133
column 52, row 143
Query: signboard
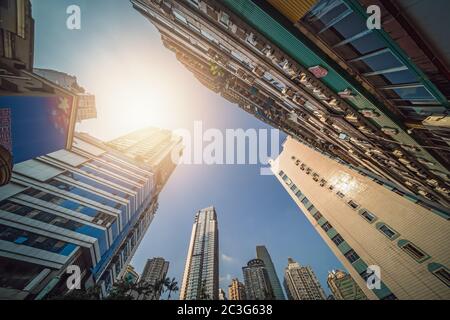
column 32, row 126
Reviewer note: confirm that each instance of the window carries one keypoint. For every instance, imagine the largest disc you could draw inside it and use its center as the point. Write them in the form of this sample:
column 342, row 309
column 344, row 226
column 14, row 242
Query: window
column 305, row 201
column 368, row 216
column 388, row 231
column 224, row 19
column 416, row 253
column 352, row 256
column 327, row 226
column 443, row 275
column 353, row 204
column 337, row 239
column 281, row 173
column 340, row 194
column 317, row 216
column 194, row 3
column 179, row 16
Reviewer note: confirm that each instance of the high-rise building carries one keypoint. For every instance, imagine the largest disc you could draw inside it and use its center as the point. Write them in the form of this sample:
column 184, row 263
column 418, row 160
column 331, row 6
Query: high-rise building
column 222, row 295
column 130, row 275
column 351, row 92
column 301, row 283
column 257, row 281
column 344, row 287
column 154, row 147
column 86, row 108
column 36, row 116
column 236, row 290
column 155, row 271
column 80, row 210
column 17, row 35
column 367, row 221
column 263, row 254
column 201, row 273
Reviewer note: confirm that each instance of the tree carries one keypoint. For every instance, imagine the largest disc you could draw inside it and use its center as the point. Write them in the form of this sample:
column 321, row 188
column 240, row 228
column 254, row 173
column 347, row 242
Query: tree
column 121, row 290
column 171, row 286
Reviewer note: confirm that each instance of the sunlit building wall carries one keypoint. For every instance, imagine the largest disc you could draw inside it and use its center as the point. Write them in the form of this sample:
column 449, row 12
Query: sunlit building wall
column 366, row 222
column 236, row 290
column 201, row 272
column 154, row 147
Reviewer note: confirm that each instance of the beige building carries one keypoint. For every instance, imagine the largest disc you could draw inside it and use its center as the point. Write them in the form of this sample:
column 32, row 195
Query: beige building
column 301, row 282
column 367, row 221
column 236, row 290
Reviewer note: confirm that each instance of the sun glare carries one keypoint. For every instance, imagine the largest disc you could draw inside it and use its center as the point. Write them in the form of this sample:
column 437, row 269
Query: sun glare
column 135, row 94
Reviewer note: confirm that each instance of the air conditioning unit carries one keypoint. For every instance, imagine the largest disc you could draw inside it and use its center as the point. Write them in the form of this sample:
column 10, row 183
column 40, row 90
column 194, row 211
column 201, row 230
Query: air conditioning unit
column 259, row 71
column 389, row 131
column 288, row 92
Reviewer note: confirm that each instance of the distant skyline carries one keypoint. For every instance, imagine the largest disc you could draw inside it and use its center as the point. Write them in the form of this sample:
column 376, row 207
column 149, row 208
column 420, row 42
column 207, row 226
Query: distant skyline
column 119, row 57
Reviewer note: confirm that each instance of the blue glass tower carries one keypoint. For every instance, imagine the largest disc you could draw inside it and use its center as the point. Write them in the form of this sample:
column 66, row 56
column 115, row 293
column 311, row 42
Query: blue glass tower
column 88, row 207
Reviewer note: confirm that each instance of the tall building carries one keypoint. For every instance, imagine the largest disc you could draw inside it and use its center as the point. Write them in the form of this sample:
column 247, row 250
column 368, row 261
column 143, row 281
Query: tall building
column 301, row 283
column 85, row 209
column 130, row 275
column 36, row 116
column 236, row 290
column 257, row 281
column 201, row 273
column 155, row 271
column 222, row 295
column 86, row 108
column 154, row 147
column 343, row 287
column 367, row 221
column 263, row 254
column 17, row 35
column 353, row 93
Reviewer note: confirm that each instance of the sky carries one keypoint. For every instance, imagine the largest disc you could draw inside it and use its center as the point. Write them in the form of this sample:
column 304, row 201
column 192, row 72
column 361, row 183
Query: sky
column 118, row 56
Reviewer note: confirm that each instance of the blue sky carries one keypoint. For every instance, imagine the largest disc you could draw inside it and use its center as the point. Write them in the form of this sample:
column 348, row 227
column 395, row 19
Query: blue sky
column 118, row 56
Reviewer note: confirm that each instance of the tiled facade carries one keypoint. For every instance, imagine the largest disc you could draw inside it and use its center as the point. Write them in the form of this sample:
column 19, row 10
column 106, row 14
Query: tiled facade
column 365, row 223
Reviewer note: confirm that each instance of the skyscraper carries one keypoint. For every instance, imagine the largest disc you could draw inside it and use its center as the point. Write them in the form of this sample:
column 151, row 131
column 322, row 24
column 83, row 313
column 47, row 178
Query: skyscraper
column 236, row 290
column 130, row 275
column 343, row 287
column 257, row 282
column 155, row 271
column 263, row 254
column 301, row 283
column 154, row 147
column 201, row 273
column 316, row 72
column 368, row 221
column 85, row 209
column 222, row 295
